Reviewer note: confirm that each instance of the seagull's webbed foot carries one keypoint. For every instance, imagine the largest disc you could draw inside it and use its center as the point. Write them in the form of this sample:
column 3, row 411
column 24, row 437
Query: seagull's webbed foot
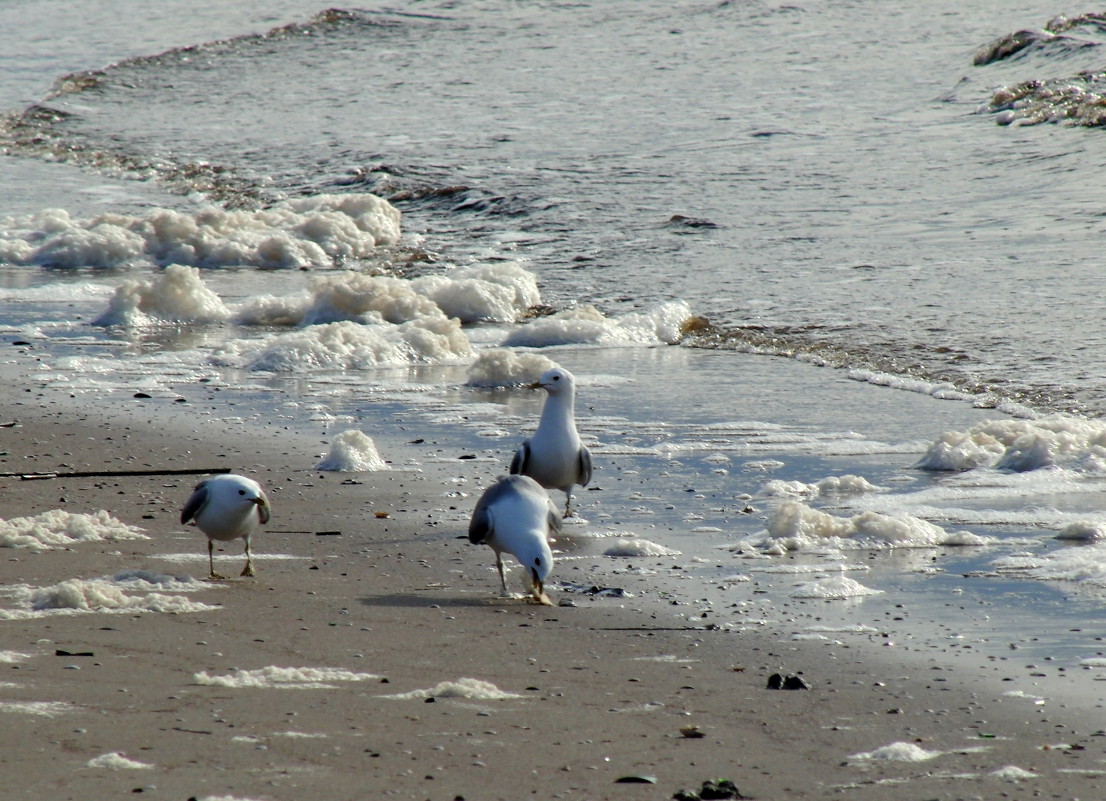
column 213, row 576
column 247, row 570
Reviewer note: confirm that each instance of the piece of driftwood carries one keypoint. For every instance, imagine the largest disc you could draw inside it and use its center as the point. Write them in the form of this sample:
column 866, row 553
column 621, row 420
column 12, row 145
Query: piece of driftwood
column 114, row 473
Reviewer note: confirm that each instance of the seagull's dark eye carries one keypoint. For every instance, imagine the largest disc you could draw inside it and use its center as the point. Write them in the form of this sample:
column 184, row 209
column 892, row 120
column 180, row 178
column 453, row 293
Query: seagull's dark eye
column 556, row 378
column 241, row 492
column 537, row 561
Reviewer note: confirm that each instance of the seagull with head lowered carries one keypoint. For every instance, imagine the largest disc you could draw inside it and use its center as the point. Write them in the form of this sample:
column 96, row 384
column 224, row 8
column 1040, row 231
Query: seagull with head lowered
column 554, row 456
column 226, row 508
column 516, row 516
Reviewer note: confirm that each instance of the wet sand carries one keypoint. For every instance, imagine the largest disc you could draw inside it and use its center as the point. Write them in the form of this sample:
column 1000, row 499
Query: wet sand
column 601, row 690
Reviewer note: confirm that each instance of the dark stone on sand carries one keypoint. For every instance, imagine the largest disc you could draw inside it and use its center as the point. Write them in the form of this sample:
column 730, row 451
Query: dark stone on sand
column 712, row 790
column 779, row 682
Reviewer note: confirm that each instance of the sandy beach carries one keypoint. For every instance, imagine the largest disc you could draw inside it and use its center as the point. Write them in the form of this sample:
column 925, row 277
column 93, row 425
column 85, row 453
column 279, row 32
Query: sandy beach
column 373, row 660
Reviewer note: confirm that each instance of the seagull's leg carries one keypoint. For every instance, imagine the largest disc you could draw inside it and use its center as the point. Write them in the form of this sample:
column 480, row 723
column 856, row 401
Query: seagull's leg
column 502, row 576
column 248, row 569
column 568, row 503
column 211, row 561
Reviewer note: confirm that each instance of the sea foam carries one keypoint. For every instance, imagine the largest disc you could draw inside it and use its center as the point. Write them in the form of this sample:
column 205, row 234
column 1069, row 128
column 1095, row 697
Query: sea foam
column 351, row 346
column 832, row 485
column 1081, row 565
column 1021, row 445
column 836, row 588
column 123, row 593
column 319, row 231
column 897, row 752
column 500, row 367
column 634, row 546
column 177, row 295
column 795, row 526
column 352, row 451
column 303, row 678
column 586, row 325
column 117, row 761
column 474, row 689
column 60, row 529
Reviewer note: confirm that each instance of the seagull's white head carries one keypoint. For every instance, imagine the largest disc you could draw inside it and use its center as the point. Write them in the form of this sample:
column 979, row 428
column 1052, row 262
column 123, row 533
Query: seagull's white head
column 556, row 381
column 234, row 491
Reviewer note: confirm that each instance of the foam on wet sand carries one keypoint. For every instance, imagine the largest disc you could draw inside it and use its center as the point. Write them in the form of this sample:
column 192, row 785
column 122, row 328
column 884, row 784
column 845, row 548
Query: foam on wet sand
column 390, row 603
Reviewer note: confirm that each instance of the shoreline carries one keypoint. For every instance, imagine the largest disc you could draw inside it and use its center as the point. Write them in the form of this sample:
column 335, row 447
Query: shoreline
column 596, row 692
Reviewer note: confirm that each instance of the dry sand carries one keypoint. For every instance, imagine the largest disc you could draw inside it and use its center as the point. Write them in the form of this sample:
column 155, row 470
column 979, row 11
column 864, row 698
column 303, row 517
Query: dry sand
column 599, row 691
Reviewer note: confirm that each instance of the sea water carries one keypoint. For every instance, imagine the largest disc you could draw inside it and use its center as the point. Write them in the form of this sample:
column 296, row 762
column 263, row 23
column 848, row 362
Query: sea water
column 826, row 274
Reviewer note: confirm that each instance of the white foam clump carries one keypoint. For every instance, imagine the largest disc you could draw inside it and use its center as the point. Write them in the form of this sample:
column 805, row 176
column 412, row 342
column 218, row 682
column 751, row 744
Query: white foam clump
column 1081, row 565
column 177, row 295
column 1013, row 773
column 473, row 689
column 44, row 709
column 1083, row 531
column 9, row 657
column 832, row 485
column 316, row 231
column 1021, row 445
column 350, row 346
column 304, row 678
column 634, row 546
column 106, row 595
column 586, row 325
column 117, row 761
column 898, row 752
column 500, row 367
column 836, row 588
column 795, row 526
column 493, row 292
column 497, row 292
column 57, row 528
column 352, row 451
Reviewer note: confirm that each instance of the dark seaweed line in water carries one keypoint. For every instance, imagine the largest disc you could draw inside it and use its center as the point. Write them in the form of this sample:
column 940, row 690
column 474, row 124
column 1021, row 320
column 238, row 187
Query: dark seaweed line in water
column 793, row 343
column 38, row 132
column 89, row 80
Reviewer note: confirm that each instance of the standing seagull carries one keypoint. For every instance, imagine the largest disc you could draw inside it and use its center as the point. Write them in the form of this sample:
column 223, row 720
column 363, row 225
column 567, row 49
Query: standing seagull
column 515, row 515
column 226, row 508
column 554, row 456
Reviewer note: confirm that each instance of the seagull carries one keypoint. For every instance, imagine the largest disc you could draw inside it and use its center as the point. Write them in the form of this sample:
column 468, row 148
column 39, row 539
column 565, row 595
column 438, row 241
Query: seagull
column 225, row 508
column 554, row 456
column 516, row 515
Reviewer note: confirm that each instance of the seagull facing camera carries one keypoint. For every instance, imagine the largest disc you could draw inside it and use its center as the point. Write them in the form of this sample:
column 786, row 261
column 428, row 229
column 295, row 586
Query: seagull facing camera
column 226, row 508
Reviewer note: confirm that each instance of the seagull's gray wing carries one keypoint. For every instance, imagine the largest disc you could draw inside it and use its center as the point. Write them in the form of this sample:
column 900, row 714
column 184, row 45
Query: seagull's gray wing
column 196, row 502
column 583, row 466
column 482, row 524
column 522, row 456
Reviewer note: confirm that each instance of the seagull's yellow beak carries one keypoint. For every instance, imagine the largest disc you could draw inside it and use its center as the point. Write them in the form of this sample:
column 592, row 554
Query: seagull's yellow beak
column 535, row 385
column 538, row 589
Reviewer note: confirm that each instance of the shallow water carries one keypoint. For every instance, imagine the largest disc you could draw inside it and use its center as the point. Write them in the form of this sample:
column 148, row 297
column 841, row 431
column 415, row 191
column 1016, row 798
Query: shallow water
column 824, row 182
